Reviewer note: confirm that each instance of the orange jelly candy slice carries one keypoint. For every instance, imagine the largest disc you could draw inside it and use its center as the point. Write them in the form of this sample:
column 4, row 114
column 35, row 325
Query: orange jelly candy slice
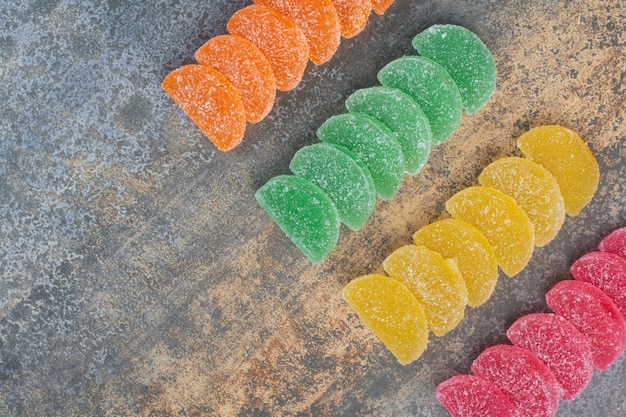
column 436, row 283
column 392, row 312
column 471, row 251
column 318, row 20
column 278, row 37
column 353, row 15
column 505, row 224
column 211, row 101
column 246, row 68
column 381, row 6
column 533, row 188
column 562, row 152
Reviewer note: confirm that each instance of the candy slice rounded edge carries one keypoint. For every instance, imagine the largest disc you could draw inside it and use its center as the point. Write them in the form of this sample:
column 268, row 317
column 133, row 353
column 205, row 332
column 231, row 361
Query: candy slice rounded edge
column 376, row 148
column 473, row 396
column 353, row 16
column 560, row 345
column 563, row 152
column 211, row 101
column 303, row 212
column 319, row 22
column 615, row 242
column 514, row 250
column 401, row 114
column 432, row 88
column 341, row 175
column 470, row 249
column 390, row 310
column 278, row 37
column 443, row 294
column 247, row 69
column 381, row 6
column 533, row 188
column 595, row 315
column 462, row 53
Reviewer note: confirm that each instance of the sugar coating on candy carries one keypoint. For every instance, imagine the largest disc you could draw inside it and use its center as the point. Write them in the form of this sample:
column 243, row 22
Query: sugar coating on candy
column 465, row 57
column 533, row 188
column 503, row 222
column 525, row 380
column 391, row 311
column 278, row 37
column 304, row 212
column 436, row 283
column 381, row 6
column 373, row 144
column 211, row 101
column 560, row 345
column 471, row 251
column 399, row 112
column 604, row 270
column 246, row 68
column 595, row 315
column 615, row 242
column 432, row 88
column 353, row 15
column 562, row 152
column 319, row 22
column 340, row 174
column 473, row 396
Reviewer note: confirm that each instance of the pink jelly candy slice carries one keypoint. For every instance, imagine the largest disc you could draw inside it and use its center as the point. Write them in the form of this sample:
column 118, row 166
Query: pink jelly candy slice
column 595, row 315
column 615, row 242
column 526, row 381
column 473, row 396
column 606, row 271
column 560, row 345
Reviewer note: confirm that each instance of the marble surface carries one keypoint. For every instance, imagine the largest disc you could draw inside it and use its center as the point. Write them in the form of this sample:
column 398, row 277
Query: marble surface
column 138, row 276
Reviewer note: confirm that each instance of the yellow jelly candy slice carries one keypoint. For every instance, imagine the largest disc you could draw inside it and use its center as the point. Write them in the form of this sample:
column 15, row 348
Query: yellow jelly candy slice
column 562, row 152
column 471, row 251
column 533, row 188
column 436, row 283
column 392, row 312
column 503, row 222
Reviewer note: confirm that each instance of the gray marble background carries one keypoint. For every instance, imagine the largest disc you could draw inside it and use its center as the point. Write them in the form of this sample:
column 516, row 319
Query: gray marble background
column 121, row 225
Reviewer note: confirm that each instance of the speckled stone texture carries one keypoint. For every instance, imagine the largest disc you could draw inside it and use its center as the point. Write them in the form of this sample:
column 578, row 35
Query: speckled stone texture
column 138, row 275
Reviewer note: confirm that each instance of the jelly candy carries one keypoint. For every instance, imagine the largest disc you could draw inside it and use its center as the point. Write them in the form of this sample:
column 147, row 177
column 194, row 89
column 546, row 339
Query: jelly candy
column 473, row 396
column 399, row 112
column 595, row 315
column 615, row 242
column 211, row 101
column 466, row 58
column 533, row 188
column 279, row 38
column 304, row 212
column 381, row 6
column 504, row 223
column 318, row 20
column 562, row 152
column 340, row 174
column 432, row 88
column 605, row 270
column 436, row 283
column 353, row 15
column 559, row 344
column 391, row 311
column 526, row 381
column 372, row 143
column 457, row 240
column 246, row 68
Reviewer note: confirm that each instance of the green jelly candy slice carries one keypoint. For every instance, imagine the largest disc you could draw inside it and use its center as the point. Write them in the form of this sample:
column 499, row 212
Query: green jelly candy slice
column 373, row 144
column 304, row 212
column 465, row 57
column 432, row 88
column 340, row 174
column 401, row 114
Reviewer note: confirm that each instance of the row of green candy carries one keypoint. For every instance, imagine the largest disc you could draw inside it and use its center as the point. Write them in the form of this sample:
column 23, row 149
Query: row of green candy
column 389, row 131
